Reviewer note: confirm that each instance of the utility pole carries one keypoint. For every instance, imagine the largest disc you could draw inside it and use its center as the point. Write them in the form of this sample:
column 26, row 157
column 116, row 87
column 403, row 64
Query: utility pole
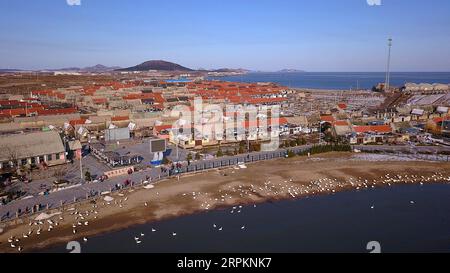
column 320, row 132
column 387, row 83
column 81, row 166
column 178, row 155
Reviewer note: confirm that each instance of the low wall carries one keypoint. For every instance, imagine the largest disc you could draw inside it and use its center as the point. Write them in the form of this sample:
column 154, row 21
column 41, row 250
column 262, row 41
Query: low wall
column 119, row 172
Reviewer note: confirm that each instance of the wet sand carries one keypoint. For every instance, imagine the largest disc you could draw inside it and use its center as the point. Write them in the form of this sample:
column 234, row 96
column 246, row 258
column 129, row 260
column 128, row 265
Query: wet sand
column 259, row 182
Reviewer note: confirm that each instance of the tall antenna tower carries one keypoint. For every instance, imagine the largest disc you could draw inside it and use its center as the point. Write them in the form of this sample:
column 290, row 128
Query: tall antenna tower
column 388, row 76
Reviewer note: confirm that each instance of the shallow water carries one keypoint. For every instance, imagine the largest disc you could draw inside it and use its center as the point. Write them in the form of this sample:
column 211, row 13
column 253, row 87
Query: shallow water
column 343, row 222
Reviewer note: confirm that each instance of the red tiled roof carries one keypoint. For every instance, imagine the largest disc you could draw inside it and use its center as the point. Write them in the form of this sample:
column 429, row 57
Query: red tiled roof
column 383, row 129
column 120, row 118
column 343, row 106
column 160, row 128
column 440, row 119
column 77, row 122
column 9, row 102
column 60, row 96
column 329, row 119
column 100, row 100
column 14, row 112
column 61, row 111
column 156, row 96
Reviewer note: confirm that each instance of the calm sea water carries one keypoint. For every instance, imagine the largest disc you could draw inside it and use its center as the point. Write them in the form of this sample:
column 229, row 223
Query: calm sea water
column 343, row 80
column 343, row 222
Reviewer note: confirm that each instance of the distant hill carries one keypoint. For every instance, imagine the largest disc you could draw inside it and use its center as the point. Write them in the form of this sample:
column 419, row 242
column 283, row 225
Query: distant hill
column 90, row 69
column 290, row 71
column 230, row 70
column 156, row 65
column 7, row 70
column 100, row 68
column 72, row 69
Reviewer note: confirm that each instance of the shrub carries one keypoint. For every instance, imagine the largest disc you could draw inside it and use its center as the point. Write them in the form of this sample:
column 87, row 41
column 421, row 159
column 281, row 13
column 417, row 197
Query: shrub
column 319, row 149
column 241, row 149
column 290, row 153
column 189, row 157
column 166, row 161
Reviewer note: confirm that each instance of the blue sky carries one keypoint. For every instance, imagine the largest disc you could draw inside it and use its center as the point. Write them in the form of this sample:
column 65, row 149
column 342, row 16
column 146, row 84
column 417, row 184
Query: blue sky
column 314, row 35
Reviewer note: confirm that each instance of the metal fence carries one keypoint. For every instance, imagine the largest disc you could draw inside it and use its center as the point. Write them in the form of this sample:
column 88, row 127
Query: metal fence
column 193, row 167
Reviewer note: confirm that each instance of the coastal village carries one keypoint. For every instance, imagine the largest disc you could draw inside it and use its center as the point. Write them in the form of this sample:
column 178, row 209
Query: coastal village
column 223, row 135
column 110, row 122
column 55, row 139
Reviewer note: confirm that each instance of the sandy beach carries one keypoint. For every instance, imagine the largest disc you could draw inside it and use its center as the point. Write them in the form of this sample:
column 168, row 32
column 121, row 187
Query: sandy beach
column 259, row 182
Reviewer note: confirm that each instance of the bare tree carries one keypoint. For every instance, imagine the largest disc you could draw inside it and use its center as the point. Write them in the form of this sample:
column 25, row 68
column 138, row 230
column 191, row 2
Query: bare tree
column 60, row 173
column 13, row 156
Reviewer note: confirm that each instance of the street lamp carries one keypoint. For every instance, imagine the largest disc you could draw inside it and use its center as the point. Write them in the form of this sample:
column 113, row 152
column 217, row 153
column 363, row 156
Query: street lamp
column 387, row 83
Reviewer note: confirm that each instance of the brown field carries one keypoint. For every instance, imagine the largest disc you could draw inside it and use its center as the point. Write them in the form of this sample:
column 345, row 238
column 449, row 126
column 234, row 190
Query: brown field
column 24, row 83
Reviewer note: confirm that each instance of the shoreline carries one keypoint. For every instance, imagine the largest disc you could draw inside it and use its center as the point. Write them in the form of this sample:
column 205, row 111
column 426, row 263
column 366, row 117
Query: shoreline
column 262, row 182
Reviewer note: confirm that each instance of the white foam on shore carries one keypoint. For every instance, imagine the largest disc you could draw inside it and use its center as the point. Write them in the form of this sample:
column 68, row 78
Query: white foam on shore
column 381, row 157
column 45, row 216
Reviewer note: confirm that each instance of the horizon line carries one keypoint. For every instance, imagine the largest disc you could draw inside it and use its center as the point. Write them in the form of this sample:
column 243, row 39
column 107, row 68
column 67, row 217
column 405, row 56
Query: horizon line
column 249, row 70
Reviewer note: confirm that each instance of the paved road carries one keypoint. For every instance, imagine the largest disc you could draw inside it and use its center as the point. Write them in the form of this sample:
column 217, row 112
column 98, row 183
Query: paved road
column 82, row 191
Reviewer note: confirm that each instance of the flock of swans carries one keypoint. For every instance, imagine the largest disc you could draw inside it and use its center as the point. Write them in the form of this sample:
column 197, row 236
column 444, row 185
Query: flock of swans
column 226, row 197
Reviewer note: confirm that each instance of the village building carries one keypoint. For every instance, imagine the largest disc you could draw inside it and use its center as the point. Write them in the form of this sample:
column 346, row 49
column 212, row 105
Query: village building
column 32, row 149
column 370, row 134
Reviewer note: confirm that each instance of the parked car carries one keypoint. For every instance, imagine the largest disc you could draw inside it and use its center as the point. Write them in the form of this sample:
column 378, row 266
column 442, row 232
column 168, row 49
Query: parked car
column 61, row 183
